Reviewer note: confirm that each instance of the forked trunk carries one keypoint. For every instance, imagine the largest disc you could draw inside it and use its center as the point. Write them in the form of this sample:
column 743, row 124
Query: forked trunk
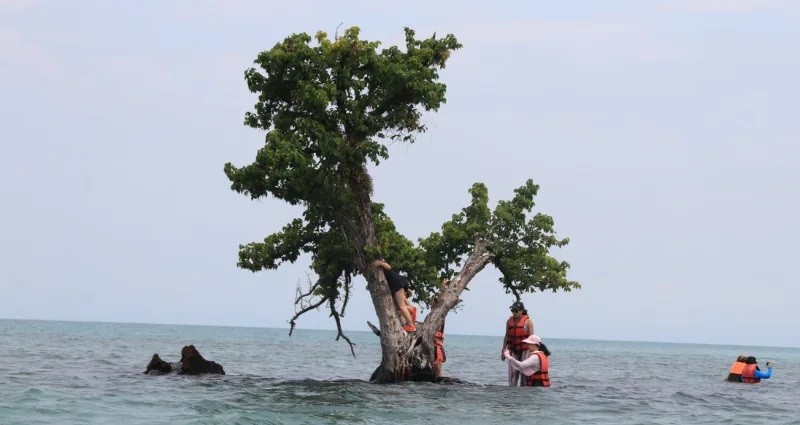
column 410, row 356
column 405, row 356
column 390, row 325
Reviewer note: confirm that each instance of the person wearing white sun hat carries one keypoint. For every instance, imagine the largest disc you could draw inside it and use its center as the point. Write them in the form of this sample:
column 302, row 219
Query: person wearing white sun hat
column 536, row 368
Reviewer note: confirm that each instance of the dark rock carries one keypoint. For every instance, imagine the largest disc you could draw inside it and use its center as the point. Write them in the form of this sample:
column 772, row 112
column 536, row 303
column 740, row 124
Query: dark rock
column 158, row 366
column 374, row 375
column 418, row 374
column 192, row 363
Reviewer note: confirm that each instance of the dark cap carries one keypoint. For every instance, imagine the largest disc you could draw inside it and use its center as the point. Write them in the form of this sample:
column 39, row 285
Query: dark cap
column 517, row 305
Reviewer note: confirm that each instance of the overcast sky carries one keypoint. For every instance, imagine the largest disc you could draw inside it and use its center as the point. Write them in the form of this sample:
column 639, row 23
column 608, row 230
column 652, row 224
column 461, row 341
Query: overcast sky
column 661, row 133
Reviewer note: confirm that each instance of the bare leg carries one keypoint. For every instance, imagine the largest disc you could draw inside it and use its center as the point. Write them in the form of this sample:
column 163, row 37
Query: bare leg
column 400, row 302
column 514, row 376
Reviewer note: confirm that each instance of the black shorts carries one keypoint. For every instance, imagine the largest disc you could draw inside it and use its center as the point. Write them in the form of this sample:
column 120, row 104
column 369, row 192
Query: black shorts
column 396, row 281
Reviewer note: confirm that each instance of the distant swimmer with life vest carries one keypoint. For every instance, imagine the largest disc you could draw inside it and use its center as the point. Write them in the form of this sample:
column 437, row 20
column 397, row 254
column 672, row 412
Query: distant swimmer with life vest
column 752, row 374
column 745, row 369
column 518, row 327
column 735, row 373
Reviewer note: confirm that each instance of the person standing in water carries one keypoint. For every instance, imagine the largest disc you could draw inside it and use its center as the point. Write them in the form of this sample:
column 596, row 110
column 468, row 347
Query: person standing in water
column 438, row 340
column 535, row 369
column 440, row 357
column 518, row 327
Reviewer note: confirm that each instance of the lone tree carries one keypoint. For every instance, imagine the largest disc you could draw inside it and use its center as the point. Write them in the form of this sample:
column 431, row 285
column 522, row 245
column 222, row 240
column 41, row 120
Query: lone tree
column 329, row 108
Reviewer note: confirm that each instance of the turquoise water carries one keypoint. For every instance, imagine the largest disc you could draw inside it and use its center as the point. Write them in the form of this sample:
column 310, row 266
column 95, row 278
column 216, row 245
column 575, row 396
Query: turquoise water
column 91, row 373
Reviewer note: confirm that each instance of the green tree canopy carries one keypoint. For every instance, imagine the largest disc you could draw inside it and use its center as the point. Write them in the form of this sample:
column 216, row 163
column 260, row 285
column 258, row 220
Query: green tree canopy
column 330, row 108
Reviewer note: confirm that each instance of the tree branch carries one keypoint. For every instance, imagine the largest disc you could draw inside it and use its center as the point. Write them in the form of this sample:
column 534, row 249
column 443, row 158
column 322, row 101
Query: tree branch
column 303, row 311
column 335, row 314
column 311, row 306
column 310, row 292
column 347, row 285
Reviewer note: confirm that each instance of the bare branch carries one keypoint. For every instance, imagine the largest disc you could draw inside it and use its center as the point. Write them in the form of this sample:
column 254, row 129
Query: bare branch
column 303, row 311
column 347, row 286
column 311, row 289
column 336, row 35
column 305, row 306
column 335, row 314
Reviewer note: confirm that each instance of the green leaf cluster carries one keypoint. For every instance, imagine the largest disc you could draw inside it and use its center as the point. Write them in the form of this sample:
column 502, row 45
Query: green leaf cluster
column 329, row 108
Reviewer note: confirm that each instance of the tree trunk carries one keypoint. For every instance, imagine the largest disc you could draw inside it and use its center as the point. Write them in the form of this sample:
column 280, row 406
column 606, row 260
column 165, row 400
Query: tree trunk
column 405, row 356
column 392, row 334
column 410, row 356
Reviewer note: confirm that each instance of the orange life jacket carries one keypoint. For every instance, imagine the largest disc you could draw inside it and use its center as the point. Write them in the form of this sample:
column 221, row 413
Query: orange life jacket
column 735, row 374
column 737, row 368
column 749, row 374
column 438, row 339
column 515, row 333
column 542, row 377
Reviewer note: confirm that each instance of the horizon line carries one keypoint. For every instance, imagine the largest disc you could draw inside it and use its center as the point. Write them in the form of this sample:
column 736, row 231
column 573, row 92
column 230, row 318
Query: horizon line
column 353, row 330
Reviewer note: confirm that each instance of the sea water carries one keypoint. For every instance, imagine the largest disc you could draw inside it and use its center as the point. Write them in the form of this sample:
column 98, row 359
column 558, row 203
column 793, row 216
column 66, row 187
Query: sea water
column 91, row 373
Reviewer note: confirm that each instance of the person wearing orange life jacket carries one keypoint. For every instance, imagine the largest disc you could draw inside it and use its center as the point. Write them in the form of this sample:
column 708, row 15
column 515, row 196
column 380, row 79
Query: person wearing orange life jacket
column 752, row 374
column 440, row 356
column 536, row 368
column 518, row 327
column 735, row 373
